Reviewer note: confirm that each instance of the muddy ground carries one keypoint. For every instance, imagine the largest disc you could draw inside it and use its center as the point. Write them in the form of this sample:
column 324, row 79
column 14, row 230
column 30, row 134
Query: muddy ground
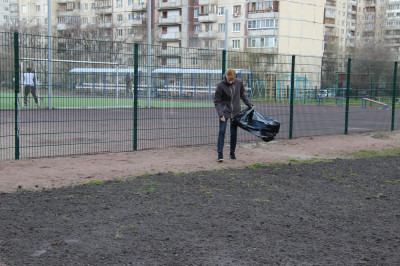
column 337, row 212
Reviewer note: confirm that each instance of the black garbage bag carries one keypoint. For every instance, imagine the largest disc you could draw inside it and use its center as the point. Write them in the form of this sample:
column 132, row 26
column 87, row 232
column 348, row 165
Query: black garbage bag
column 263, row 127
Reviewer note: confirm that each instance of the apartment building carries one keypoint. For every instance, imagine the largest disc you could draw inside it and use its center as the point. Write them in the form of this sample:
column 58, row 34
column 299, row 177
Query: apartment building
column 352, row 23
column 4, row 13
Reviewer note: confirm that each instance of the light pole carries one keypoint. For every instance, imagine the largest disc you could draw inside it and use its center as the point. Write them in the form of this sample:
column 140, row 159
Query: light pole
column 226, row 37
column 148, row 52
column 49, row 79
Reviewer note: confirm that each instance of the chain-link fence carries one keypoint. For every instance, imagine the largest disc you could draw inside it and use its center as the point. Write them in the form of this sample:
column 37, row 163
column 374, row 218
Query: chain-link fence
column 93, row 96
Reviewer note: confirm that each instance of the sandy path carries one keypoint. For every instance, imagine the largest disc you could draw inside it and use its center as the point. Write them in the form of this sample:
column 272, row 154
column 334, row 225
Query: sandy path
column 65, row 171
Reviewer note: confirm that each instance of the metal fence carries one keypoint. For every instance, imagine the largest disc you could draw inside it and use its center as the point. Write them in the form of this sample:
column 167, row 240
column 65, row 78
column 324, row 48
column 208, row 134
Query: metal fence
column 86, row 106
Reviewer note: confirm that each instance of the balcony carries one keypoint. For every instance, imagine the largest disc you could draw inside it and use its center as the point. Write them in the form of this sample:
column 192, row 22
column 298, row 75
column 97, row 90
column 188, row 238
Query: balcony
column 211, row 34
column 206, row 2
column 327, row 15
column 265, row 50
column 330, row 33
column 255, row 15
column 330, row 4
column 72, row 13
column 208, row 18
column 170, row 5
column 139, row 7
column 170, row 21
column 170, row 36
column 61, row 26
column 330, row 23
column 261, row 33
column 370, row 3
column 207, row 53
column 138, row 22
column 170, row 52
column 103, row 10
column 105, row 25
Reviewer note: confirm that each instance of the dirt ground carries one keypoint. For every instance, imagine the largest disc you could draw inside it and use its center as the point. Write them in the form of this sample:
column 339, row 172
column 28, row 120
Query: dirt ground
column 180, row 207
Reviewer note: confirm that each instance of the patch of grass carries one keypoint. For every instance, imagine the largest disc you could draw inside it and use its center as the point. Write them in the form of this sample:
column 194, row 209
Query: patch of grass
column 256, row 165
column 113, row 217
column 293, row 160
column 95, row 182
column 370, row 154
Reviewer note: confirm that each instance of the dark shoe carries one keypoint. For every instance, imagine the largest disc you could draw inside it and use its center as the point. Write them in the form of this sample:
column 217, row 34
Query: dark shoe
column 232, row 156
column 220, row 157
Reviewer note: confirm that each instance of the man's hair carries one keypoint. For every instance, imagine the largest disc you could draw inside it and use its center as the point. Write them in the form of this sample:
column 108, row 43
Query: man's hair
column 230, row 73
column 28, row 70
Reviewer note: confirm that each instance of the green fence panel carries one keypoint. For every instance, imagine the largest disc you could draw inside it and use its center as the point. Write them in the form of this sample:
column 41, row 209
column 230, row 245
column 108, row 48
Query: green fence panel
column 99, row 96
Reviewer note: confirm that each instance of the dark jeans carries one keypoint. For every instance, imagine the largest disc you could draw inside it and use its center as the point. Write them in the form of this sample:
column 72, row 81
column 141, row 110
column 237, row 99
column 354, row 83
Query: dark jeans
column 30, row 89
column 221, row 135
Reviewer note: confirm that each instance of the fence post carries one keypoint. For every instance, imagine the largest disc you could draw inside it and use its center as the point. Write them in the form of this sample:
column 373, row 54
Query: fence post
column 223, row 63
column 16, row 91
column 394, row 93
column 346, row 123
column 135, row 95
column 291, row 97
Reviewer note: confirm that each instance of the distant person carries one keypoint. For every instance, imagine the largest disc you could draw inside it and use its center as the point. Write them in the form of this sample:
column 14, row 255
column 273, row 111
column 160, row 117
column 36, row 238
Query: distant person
column 29, row 86
column 128, row 80
column 227, row 97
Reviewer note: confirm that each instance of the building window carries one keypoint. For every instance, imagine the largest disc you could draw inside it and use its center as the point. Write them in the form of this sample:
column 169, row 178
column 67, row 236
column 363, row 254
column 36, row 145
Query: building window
column 264, row 42
column 342, row 31
column 193, row 61
column 119, row 32
column 130, row 16
column 236, row 10
column 208, row 44
column 93, row 20
column 196, row 29
column 235, row 44
column 119, row 3
column 5, row 17
column 261, row 24
column 23, row 9
column 221, row 44
column 5, row 9
column 236, row 27
column 196, row 13
column 85, row 7
column 221, row 11
column 343, row 5
column 130, row 2
column 194, row 42
column 343, row 14
column 119, row 18
column 208, row 27
column 93, row 6
column 37, row 21
column 24, row 21
column 221, row 27
column 85, row 21
column 343, row 22
column 38, row 8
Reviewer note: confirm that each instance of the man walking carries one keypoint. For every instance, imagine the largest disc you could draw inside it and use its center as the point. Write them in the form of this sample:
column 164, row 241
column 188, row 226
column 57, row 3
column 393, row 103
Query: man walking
column 227, row 97
column 29, row 86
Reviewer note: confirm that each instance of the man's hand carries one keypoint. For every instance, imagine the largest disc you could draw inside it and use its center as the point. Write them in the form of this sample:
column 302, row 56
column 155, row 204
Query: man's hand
column 222, row 118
